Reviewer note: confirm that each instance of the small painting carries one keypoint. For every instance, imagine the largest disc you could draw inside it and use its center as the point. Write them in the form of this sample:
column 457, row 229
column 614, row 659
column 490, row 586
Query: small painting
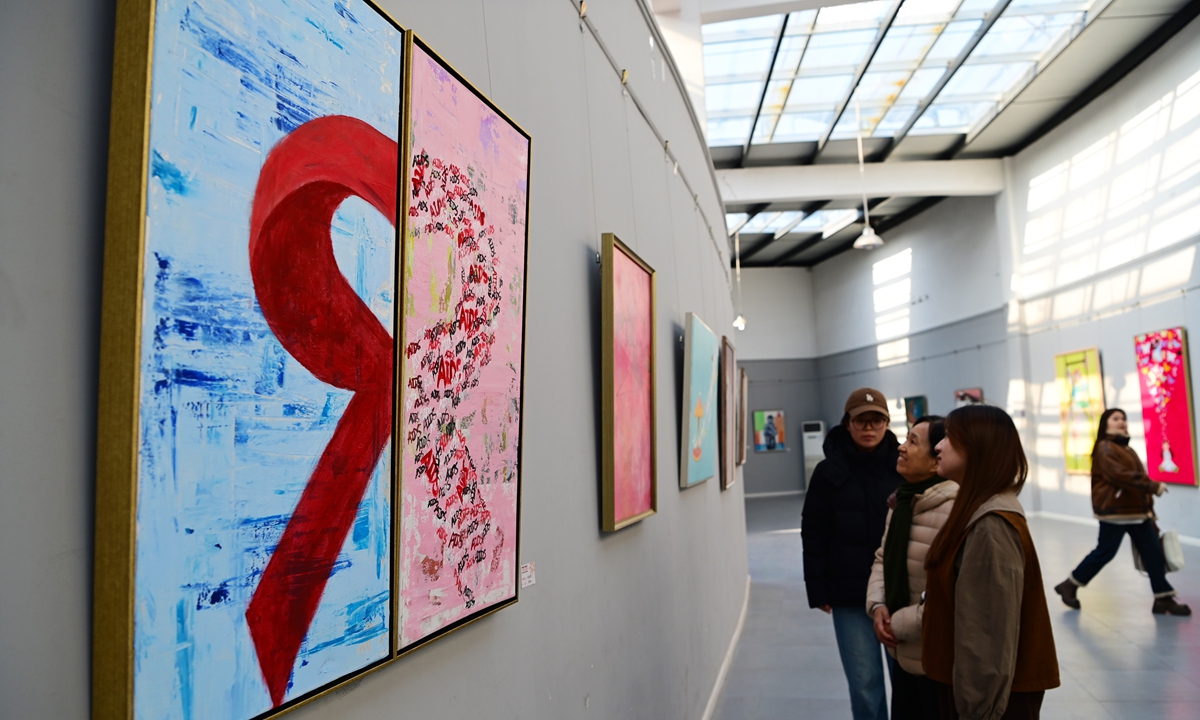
column 1165, row 382
column 1081, row 403
column 728, row 409
column 915, row 408
column 743, row 416
column 769, row 431
column 701, row 359
column 968, row 396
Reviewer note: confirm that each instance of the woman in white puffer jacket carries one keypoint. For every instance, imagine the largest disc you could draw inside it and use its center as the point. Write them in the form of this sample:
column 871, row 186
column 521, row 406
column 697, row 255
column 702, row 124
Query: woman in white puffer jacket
column 922, row 505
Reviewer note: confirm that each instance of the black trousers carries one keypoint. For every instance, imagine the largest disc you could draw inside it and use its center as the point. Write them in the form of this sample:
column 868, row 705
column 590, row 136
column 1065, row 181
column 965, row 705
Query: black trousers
column 1021, row 705
column 914, row 697
column 1144, row 537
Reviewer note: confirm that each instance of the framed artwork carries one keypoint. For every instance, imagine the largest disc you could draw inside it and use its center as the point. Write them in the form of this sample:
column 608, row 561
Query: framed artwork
column 629, row 466
column 915, row 407
column 1165, row 381
column 701, row 360
column 1081, row 403
column 463, row 353
column 968, row 396
column 249, row 454
column 728, row 409
column 743, row 415
column 769, row 432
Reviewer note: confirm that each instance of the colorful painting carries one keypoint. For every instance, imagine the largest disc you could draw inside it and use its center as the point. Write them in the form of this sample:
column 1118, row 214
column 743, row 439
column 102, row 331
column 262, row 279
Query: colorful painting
column 463, row 354
column 968, row 396
column 1081, row 402
column 915, row 408
column 1165, row 381
column 769, row 431
column 701, row 359
column 743, row 401
column 728, row 409
column 629, row 482
column 262, row 421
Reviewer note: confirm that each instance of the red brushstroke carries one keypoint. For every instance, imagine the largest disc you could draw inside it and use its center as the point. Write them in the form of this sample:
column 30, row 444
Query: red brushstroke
column 322, row 322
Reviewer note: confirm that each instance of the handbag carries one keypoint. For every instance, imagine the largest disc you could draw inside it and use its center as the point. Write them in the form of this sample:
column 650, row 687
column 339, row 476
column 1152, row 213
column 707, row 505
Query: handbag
column 1172, row 551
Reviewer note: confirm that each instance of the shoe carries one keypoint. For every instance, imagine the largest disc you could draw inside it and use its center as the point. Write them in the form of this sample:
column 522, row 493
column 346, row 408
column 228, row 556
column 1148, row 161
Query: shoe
column 1170, row 606
column 1066, row 590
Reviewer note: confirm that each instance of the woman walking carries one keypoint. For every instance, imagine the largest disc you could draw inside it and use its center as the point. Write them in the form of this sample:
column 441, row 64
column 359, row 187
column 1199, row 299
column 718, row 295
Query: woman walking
column 1123, row 502
column 844, row 514
column 897, row 583
column 986, row 630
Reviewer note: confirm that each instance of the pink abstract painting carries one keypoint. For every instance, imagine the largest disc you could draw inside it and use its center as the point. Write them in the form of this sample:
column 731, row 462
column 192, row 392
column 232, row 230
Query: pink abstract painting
column 633, row 478
column 464, row 314
column 1162, row 363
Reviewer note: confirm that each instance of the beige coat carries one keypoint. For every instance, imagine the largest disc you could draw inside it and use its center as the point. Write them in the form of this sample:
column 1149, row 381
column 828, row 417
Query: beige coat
column 930, row 511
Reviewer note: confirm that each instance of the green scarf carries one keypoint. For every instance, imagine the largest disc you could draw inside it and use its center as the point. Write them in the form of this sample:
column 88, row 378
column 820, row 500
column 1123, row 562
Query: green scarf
column 895, row 545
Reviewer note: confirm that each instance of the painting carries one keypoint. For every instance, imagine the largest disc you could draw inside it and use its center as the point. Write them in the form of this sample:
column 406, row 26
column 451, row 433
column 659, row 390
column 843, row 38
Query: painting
column 968, row 396
column 629, row 466
column 769, row 431
column 728, row 409
column 1165, row 381
column 701, row 361
column 244, row 535
column 743, row 416
column 1081, row 403
column 462, row 356
column 915, row 408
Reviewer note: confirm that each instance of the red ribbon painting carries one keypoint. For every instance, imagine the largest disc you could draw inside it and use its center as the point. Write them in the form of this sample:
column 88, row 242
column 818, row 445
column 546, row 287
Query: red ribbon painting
column 320, row 320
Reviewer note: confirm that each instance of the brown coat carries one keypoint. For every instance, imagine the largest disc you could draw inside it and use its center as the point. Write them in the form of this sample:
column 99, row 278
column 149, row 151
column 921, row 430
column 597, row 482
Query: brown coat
column 930, row 510
column 1120, row 488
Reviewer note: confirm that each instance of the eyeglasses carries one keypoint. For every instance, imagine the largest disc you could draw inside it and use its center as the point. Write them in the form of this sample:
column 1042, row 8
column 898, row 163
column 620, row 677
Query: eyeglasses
column 875, row 422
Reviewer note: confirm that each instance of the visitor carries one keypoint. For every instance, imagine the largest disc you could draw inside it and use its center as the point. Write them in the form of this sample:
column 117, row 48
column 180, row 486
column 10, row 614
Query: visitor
column 844, row 513
column 986, row 636
column 1123, row 502
column 921, row 507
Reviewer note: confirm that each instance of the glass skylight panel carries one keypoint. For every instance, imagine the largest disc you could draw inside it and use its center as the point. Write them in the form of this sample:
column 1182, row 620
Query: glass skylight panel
column 821, row 219
column 950, row 117
column 897, row 116
column 735, row 60
column 905, row 45
column 732, row 98
column 952, row 40
column 728, row 131
column 759, row 222
column 782, row 220
column 858, row 15
column 762, row 26
column 733, row 220
column 818, row 93
column 802, row 126
column 1030, row 35
column 923, row 10
column 837, row 49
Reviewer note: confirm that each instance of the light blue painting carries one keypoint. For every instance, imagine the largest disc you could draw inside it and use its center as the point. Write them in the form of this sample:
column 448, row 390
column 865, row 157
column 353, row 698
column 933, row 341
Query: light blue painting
column 232, row 425
column 702, row 350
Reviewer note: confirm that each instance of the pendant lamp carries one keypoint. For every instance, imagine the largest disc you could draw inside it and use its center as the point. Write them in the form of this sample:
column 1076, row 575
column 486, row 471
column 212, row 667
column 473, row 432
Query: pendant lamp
column 868, row 240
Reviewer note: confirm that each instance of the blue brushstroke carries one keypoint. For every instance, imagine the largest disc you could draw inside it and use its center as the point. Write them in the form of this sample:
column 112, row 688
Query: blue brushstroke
column 183, row 658
column 172, row 178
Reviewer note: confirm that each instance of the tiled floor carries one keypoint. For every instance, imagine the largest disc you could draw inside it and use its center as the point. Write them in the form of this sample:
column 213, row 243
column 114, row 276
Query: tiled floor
column 1117, row 660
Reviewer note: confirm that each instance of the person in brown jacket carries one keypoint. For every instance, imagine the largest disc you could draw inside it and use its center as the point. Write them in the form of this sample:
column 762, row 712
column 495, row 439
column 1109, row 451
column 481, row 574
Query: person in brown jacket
column 1123, row 502
column 986, row 635
column 920, row 508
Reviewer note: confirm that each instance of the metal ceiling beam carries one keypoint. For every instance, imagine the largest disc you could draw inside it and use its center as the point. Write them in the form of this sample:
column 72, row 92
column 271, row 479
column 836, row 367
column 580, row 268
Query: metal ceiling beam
column 762, row 96
column 881, row 227
column 806, row 183
column 858, row 74
column 988, row 21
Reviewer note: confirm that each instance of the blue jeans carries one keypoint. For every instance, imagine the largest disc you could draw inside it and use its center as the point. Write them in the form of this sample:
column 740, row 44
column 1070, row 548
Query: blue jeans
column 1144, row 537
column 862, row 660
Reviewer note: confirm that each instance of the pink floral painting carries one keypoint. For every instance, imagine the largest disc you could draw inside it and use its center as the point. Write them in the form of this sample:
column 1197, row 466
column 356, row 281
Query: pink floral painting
column 633, row 476
column 464, row 279
column 1166, row 406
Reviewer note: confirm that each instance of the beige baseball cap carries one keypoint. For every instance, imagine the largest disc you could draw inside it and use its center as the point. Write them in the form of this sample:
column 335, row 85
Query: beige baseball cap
column 864, row 400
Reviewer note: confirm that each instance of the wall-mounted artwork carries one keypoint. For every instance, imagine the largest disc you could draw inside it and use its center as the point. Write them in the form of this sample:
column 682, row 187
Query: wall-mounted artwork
column 629, row 465
column 1081, row 402
column 244, row 534
column 462, row 361
column 728, row 409
column 701, row 360
column 968, row 396
column 915, row 407
column 1165, row 380
column 743, row 416
column 769, row 432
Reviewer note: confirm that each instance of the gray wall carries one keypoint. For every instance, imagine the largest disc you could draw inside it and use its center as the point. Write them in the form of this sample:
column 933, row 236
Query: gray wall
column 791, row 386
column 629, row 625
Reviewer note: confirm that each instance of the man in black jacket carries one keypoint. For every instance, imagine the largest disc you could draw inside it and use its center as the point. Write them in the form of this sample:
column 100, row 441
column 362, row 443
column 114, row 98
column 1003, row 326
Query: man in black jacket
column 844, row 514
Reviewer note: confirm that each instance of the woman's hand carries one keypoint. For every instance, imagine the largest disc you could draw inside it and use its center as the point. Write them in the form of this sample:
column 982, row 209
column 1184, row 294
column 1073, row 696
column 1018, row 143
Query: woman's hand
column 883, row 627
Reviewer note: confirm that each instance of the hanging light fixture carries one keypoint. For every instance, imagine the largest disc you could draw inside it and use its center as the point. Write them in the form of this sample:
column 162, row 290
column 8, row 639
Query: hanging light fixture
column 740, row 321
column 868, row 240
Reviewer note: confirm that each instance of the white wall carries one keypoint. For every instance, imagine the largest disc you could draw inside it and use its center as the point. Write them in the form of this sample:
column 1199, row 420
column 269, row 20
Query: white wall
column 778, row 306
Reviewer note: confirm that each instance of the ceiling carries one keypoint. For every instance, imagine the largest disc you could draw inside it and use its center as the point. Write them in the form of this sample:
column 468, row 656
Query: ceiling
column 924, row 80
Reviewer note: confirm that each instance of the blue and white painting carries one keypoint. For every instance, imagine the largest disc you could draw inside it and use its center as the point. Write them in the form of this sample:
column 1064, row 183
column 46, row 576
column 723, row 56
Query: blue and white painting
column 702, row 349
column 231, row 425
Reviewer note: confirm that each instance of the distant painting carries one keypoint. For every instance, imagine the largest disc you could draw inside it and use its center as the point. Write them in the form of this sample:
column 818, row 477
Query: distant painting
column 769, row 431
column 463, row 354
column 629, row 466
column 743, row 416
column 1081, row 403
column 728, row 409
column 968, row 396
column 915, row 408
column 1165, row 382
column 701, row 359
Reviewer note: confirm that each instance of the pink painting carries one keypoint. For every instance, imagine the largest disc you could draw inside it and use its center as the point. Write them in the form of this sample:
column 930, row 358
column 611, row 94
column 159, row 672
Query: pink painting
column 1162, row 364
column 464, row 318
column 633, row 471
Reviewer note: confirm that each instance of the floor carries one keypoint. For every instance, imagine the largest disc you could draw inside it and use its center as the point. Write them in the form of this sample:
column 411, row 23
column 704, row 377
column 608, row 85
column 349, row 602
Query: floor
column 1117, row 660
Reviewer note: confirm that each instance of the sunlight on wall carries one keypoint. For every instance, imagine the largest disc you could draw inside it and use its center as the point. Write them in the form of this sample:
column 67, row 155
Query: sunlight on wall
column 893, row 295
column 892, row 353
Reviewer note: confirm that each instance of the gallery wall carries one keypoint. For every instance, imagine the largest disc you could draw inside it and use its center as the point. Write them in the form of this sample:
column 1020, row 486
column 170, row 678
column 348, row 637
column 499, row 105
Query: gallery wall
column 777, row 304
column 625, row 625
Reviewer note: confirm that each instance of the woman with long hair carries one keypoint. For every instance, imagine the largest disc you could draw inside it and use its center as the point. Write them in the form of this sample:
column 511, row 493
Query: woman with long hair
column 1123, row 502
column 986, row 630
